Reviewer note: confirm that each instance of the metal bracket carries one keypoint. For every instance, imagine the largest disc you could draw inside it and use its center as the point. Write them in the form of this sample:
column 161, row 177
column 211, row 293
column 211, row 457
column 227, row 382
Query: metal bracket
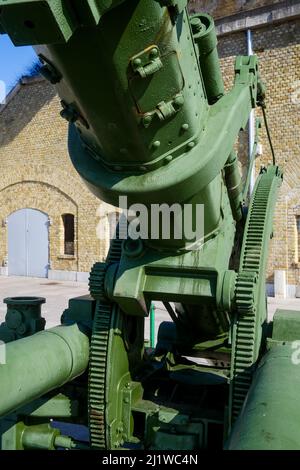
column 246, row 71
column 147, row 62
column 72, row 115
column 177, row 5
column 48, row 71
column 164, row 110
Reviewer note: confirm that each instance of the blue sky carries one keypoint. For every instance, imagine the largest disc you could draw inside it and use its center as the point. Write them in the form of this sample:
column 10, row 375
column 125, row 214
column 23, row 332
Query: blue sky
column 14, row 61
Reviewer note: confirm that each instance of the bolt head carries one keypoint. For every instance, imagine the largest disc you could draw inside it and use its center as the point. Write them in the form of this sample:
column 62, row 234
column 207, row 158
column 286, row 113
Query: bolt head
column 137, row 62
column 196, row 25
column 154, row 52
column 168, row 159
column 179, row 101
column 156, row 144
column 147, row 120
column 191, row 145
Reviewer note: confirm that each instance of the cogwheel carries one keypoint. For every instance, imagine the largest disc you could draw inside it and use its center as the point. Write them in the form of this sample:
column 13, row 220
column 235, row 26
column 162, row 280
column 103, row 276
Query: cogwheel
column 96, row 281
column 245, row 291
column 248, row 291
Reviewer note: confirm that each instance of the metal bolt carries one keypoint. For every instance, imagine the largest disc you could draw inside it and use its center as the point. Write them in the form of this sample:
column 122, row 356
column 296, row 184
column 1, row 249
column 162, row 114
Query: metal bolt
column 137, row 62
column 156, row 144
column 196, row 25
column 147, row 120
column 179, row 101
column 154, row 52
column 185, row 127
column 191, row 145
column 168, row 159
column 126, row 400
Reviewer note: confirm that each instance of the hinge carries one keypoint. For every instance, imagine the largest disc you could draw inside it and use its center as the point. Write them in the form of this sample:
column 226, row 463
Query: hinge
column 147, row 62
column 164, row 110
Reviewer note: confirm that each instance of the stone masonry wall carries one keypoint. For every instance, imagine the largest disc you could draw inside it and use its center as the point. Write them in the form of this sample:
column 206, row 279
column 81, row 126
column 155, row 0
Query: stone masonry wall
column 219, row 9
column 278, row 50
column 37, row 173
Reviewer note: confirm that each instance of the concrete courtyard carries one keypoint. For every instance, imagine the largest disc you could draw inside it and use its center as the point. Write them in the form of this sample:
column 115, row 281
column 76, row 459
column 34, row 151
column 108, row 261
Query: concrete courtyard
column 58, row 293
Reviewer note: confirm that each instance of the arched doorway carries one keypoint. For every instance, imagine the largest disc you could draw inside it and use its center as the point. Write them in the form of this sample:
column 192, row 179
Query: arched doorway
column 28, row 243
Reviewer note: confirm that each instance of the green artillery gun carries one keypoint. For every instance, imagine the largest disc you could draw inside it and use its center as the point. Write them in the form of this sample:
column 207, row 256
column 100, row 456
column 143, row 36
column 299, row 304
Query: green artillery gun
column 141, row 86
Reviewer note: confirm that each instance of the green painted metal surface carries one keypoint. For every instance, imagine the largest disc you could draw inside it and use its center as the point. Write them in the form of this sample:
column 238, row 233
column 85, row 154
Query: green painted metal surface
column 270, row 418
column 141, row 86
column 40, row 363
column 152, row 326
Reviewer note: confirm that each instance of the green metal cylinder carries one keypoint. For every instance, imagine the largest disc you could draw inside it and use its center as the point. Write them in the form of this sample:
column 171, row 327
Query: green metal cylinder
column 40, row 363
column 205, row 37
column 271, row 415
column 234, row 186
column 150, row 101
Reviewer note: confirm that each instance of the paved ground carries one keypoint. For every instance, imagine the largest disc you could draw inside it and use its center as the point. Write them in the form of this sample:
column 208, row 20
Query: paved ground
column 58, row 293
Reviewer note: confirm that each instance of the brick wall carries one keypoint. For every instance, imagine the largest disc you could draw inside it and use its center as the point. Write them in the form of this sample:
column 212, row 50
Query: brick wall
column 36, row 173
column 278, row 50
column 219, row 9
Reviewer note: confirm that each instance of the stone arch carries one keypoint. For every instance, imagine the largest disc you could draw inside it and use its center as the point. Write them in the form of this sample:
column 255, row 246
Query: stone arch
column 65, row 182
column 45, row 198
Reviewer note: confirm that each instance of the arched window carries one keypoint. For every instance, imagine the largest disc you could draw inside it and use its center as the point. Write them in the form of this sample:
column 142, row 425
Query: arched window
column 69, row 233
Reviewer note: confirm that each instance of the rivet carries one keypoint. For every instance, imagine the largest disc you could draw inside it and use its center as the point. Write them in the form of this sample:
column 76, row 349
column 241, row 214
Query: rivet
column 156, row 144
column 137, row 62
column 191, row 145
column 147, row 120
column 168, row 159
column 154, row 52
column 185, row 127
column 179, row 101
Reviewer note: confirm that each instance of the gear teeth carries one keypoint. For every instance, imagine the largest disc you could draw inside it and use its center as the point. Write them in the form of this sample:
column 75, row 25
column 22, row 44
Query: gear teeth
column 96, row 281
column 251, row 274
column 98, row 349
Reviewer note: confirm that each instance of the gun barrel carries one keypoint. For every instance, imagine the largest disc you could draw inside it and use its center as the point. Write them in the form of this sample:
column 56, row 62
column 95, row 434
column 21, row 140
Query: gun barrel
column 40, row 363
column 270, row 417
